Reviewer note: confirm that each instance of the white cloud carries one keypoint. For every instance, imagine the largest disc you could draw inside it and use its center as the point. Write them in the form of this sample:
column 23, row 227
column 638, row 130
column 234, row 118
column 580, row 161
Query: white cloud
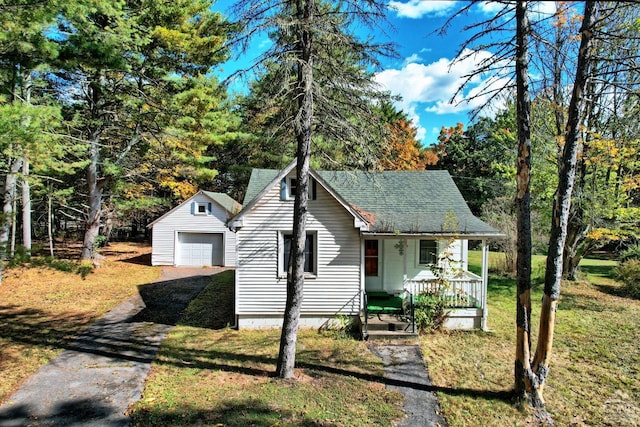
column 419, row 8
column 434, row 83
column 431, row 86
column 413, row 58
column 544, row 9
column 490, row 7
column 539, row 9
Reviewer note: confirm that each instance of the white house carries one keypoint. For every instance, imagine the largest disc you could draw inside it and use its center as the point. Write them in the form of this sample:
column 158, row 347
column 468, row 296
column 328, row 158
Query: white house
column 367, row 232
column 194, row 233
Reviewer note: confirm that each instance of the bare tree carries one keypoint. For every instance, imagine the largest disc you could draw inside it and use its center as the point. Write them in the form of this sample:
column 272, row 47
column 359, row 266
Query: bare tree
column 523, row 199
column 561, row 209
column 530, row 372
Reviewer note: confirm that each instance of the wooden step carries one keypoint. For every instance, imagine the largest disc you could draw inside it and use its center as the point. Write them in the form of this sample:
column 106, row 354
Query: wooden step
column 397, row 326
column 387, row 327
column 389, row 335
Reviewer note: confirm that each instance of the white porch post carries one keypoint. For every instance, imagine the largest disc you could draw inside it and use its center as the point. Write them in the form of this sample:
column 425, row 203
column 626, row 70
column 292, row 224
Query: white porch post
column 405, row 246
column 485, row 279
column 362, row 273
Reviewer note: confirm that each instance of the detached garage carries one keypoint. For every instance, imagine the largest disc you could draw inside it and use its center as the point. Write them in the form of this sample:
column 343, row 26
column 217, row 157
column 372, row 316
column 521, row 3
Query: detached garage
column 194, row 233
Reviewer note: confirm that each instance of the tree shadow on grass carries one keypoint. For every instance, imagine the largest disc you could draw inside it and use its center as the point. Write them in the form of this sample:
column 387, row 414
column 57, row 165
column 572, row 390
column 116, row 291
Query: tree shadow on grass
column 256, row 365
column 239, row 412
column 144, row 259
column 570, row 301
column 618, row 291
column 129, row 332
column 598, row 270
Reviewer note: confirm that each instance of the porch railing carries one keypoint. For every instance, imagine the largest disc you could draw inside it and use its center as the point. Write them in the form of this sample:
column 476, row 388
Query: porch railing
column 464, row 290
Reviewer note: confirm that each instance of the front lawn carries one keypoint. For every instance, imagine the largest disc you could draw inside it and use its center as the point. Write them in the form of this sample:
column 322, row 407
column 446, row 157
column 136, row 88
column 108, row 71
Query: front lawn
column 209, row 376
column 42, row 309
column 595, row 365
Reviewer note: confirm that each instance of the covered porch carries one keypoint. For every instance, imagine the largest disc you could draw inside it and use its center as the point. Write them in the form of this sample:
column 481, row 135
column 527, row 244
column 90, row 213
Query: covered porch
column 399, row 269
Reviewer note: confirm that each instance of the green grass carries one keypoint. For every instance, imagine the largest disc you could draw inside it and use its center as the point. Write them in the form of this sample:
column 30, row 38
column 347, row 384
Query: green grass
column 44, row 304
column 206, row 374
column 595, row 364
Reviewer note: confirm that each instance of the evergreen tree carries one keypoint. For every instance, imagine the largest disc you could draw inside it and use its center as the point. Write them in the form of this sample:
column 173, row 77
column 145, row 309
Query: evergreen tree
column 24, row 54
column 121, row 66
column 306, row 35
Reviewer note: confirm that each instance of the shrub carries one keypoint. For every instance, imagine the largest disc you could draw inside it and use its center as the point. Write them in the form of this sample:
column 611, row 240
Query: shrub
column 429, row 312
column 632, row 252
column 342, row 327
column 629, row 274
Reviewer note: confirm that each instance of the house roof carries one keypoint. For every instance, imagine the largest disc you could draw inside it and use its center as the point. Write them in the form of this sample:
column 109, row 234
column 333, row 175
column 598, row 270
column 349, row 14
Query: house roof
column 406, row 202
column 226, row 202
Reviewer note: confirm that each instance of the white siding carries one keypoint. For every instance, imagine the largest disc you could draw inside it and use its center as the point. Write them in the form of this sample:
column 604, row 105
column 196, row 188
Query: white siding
column 394, row 265
column 260, row 290
column 183, row 220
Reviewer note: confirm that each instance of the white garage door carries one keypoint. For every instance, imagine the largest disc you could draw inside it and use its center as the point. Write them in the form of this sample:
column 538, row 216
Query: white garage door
column 200, row 249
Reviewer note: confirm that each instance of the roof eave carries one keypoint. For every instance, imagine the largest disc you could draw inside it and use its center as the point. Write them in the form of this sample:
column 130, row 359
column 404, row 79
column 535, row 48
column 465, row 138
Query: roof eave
column 465, row 236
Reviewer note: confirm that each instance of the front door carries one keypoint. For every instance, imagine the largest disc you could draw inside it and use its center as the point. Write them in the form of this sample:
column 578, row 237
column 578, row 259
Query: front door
column 372, row 265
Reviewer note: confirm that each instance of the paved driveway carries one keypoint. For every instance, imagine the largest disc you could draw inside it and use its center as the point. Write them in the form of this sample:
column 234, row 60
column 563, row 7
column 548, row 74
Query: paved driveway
column 93, row 382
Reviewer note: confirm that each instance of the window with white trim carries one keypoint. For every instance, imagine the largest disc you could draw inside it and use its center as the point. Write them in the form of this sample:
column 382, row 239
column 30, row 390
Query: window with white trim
column 428, row 252
column 310, row 253
column 201, row 208
column 288, row 187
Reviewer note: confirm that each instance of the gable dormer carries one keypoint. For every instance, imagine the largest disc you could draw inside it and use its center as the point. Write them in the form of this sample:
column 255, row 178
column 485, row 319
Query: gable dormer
column 288, row 186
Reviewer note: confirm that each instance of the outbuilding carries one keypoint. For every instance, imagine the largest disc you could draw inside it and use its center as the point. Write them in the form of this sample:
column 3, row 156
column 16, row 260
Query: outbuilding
column 194, row 232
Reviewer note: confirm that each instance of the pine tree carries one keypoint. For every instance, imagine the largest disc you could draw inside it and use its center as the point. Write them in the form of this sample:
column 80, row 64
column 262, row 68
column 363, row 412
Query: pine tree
column 306, row 35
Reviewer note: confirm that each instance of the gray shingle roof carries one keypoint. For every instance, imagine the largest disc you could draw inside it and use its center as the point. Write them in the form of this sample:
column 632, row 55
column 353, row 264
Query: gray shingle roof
column 420, row 202
column 224, row 200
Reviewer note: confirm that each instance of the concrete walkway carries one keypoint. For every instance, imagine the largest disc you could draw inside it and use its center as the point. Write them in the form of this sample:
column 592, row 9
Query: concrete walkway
column 405, row 372
column 93, row 382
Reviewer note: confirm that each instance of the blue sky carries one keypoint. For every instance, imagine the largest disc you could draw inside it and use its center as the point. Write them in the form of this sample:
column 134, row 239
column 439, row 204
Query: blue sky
column 423, row 74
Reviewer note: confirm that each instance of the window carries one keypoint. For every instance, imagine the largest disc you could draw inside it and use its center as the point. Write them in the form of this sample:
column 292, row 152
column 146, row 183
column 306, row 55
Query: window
column 428, row 251
column 371, row 257
column 201, row 208
column 288, row 188
column 309, row 253
column 293, row 184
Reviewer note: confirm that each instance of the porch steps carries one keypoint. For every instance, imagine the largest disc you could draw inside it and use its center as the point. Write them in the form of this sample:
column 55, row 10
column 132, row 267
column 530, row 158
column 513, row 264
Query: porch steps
column 387, row 327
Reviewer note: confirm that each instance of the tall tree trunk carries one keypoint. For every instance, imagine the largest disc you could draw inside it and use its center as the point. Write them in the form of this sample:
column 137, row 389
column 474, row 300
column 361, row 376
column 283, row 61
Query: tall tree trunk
column 14, row 209
column 562, row 205
column 27, row 86
column 94, row 183
column 94, row 191
column 522, row 370
column 49, row 221
column 26, row 206
column 577, row 231
column 303, row 127
column 8, row 212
